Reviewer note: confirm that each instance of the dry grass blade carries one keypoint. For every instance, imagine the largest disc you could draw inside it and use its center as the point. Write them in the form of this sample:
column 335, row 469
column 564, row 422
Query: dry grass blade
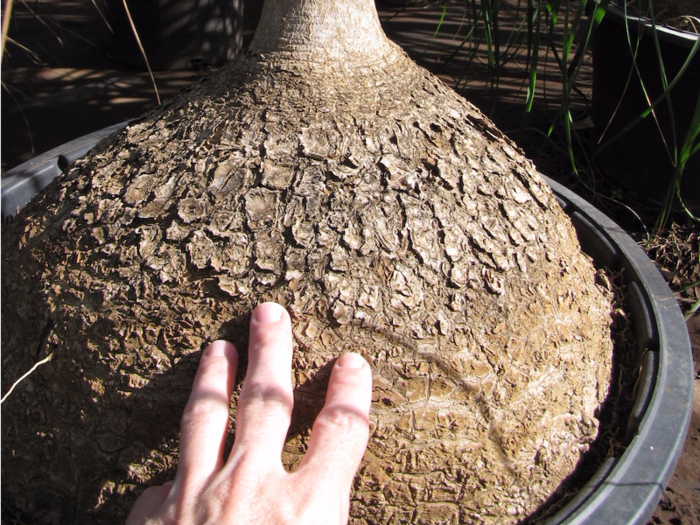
column 24, row 116
column 143, row 51
column 35, row 57
column 36, row 365
column 41, row 20
column 676, row 253
column 102, row 16
column 5, row 26
column 76, row 35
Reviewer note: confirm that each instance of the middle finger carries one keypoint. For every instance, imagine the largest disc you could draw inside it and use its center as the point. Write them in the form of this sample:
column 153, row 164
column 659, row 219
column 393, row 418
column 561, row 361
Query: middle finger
column 266, row 399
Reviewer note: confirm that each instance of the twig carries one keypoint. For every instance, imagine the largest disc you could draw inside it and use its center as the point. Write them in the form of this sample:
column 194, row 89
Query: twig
column 45, row 360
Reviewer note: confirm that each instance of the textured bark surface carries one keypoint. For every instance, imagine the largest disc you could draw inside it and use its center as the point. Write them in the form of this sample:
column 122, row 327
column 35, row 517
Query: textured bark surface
column 384, row 211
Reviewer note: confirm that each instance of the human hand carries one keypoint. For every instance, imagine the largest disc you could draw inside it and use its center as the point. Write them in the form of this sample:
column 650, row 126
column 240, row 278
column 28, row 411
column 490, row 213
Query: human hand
column 252, row 486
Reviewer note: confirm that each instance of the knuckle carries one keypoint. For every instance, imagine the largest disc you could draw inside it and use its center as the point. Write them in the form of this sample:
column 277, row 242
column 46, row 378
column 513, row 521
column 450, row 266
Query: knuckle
column 266, row 340
column 265, row 398
column 343, row 418
column 156, row 492
column 203, row 410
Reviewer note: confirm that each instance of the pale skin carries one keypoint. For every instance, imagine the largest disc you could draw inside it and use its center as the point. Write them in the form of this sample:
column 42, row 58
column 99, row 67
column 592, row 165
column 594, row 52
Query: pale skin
column 252, row 486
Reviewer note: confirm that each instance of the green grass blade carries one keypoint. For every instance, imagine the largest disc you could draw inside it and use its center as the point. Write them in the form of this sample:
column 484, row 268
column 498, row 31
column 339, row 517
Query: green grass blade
column 656, row 102
column 691, row 145
column 664, row 84
column 553, row 8
column 533, row 48
column 532, row 85
column 486, row 14
column 599, row 10
column 693, row 310
column 439, row 25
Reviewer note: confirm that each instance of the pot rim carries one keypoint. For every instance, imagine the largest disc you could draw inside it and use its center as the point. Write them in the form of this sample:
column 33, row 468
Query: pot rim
column 628, row 488
column 665, row 32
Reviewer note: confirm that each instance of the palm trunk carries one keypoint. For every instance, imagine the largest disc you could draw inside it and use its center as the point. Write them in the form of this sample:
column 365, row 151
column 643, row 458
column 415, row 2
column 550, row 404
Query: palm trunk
column 324, row 31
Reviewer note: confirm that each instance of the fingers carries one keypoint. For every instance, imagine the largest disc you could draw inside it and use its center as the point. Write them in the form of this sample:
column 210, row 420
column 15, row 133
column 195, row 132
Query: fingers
column 148, row 503
column 341, row 430
column 265, row 403
column 205, row 419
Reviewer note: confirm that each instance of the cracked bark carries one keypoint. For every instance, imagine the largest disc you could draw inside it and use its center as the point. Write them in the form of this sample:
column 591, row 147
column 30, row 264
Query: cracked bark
column 326, row 171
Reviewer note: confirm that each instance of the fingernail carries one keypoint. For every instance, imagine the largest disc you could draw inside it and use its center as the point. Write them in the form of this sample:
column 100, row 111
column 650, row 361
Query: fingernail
column 350, row 361
column 268, row 313
column 220, row 348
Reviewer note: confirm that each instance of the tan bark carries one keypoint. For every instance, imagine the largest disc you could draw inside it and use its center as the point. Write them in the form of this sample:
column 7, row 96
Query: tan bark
column 387, row 214
column 331, row 31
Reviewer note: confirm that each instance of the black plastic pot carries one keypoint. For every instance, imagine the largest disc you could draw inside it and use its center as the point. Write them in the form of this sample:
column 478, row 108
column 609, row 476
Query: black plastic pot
column 639, row 160
column 628, row 488
column 625, row 489
column 21, row 183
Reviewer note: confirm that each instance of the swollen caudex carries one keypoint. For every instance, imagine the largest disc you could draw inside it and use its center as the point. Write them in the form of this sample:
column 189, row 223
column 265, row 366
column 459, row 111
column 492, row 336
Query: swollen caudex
column 385, row 212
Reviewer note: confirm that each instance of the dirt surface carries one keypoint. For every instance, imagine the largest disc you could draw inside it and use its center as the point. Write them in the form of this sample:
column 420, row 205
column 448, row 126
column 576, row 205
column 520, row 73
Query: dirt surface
column 79, row 89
